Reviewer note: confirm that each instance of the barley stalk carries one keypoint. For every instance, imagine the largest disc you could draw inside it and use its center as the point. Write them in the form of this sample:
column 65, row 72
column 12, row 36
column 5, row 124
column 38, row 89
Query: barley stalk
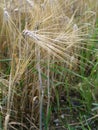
column 48, row 86
column 41, row 94
column 8, row 105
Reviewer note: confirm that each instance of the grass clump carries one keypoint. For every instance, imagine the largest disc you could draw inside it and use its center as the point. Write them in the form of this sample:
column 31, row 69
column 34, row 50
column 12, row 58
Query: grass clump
column 48, row 65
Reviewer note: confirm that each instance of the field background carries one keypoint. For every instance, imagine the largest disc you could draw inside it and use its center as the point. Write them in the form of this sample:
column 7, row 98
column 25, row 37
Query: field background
column 48, row 65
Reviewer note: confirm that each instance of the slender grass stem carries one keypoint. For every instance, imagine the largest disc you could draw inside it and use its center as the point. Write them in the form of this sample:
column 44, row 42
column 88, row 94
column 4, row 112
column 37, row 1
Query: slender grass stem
column 48, row 85
column 40, row 86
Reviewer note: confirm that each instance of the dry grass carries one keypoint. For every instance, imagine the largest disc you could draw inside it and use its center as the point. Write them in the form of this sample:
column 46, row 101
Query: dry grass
column 33, row 37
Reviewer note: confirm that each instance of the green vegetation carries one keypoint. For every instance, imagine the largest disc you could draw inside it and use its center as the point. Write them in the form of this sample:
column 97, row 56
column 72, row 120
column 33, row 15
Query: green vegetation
column 48, row 65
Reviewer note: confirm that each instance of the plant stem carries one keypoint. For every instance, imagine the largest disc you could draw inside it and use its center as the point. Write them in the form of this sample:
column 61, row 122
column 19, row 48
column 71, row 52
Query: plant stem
column 40, row 86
